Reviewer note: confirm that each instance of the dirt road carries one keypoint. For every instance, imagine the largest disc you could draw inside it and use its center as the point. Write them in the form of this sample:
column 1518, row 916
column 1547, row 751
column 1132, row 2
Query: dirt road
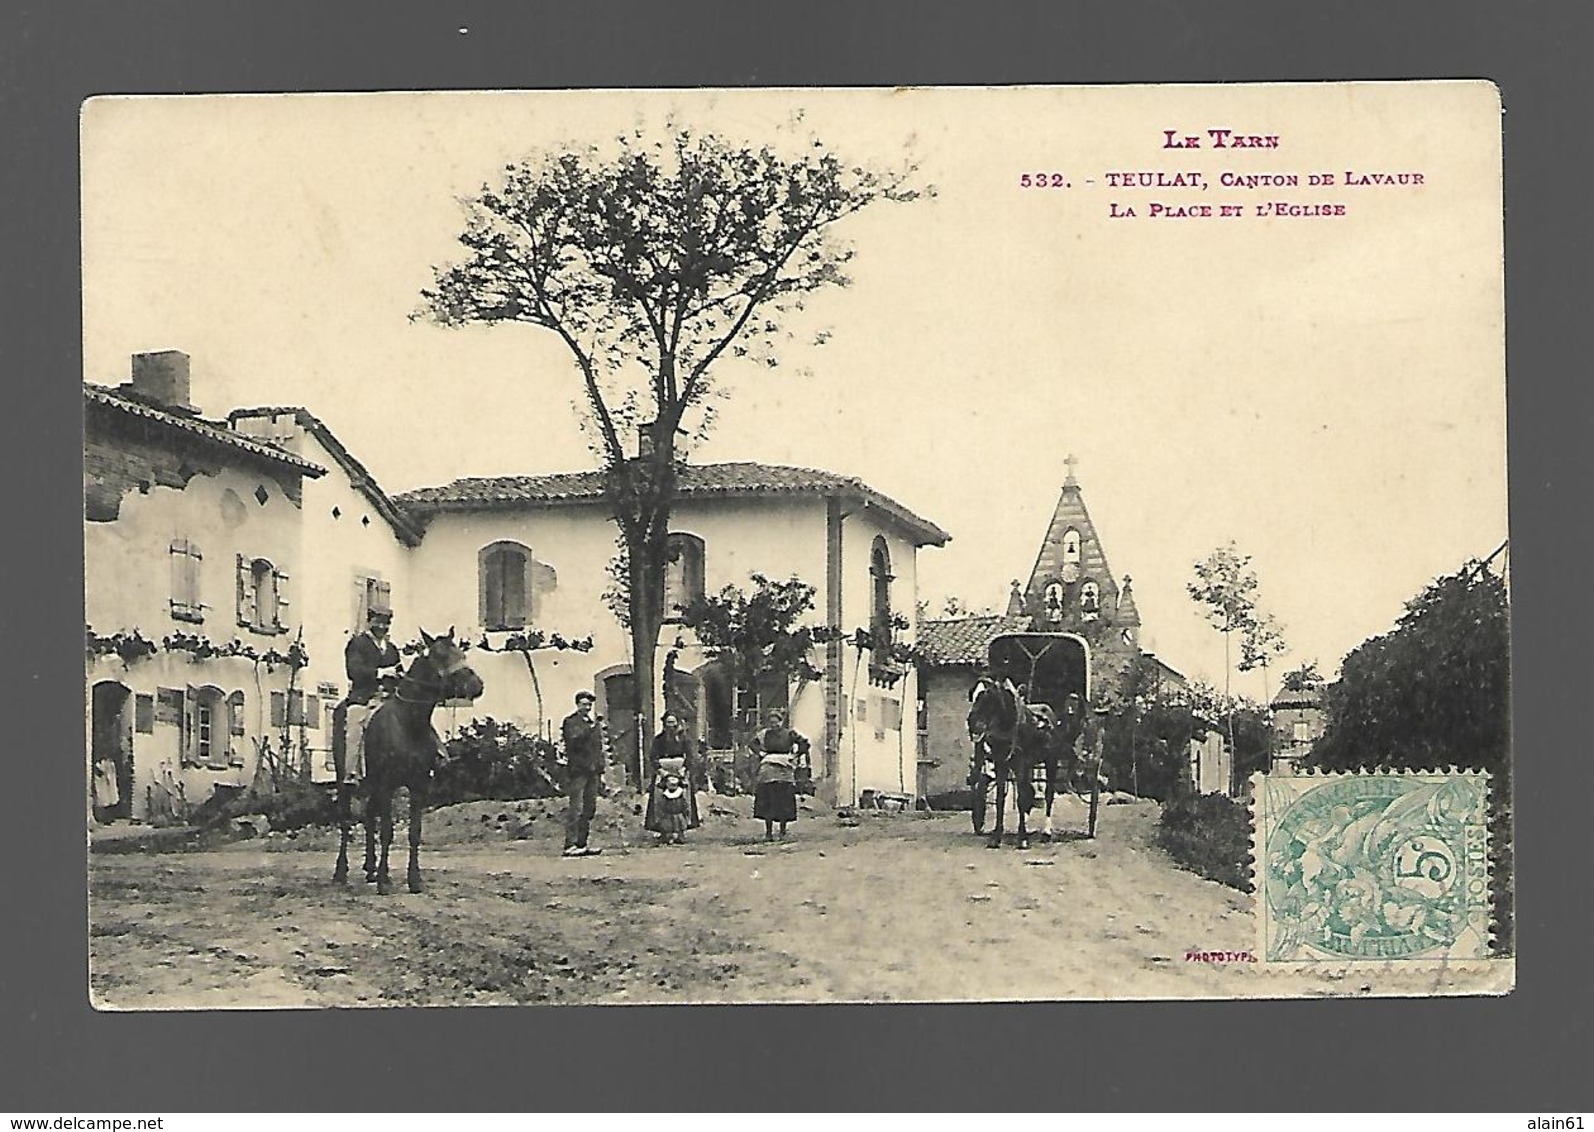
column 898, row 907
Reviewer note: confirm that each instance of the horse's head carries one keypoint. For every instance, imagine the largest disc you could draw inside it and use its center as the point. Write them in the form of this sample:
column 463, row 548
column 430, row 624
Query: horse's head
column 446, row 669
column 993, row 709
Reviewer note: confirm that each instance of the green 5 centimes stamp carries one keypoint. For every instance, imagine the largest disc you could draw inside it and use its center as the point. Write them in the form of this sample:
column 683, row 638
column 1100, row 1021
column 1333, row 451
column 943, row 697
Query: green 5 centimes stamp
column 1373, row 868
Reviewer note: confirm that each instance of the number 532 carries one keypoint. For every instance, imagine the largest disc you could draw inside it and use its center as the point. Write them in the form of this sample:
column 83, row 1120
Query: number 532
column 1042, row 181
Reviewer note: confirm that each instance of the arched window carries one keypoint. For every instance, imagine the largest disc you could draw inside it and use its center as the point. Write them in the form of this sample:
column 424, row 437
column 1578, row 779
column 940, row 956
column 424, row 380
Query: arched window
column 503, row 590
column 511, row 585
column 1071, row 545
column 1090, row 601
column 262, row 596
column 683, row 573
column 880, row 592
column 1055, row 598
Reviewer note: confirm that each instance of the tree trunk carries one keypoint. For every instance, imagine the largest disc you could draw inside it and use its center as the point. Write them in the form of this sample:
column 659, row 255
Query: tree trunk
column 645, row 489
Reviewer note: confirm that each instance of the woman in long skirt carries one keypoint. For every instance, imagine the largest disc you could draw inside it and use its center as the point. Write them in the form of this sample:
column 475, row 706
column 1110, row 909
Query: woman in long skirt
column 780, row 749
column 672, row 752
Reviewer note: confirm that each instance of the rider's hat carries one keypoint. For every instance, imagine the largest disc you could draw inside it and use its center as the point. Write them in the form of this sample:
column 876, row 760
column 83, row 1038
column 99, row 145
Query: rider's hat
column 379, row 615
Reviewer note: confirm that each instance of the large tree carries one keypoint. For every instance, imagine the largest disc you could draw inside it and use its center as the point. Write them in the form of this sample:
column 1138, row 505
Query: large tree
column 653, row 262
column 1433, row 692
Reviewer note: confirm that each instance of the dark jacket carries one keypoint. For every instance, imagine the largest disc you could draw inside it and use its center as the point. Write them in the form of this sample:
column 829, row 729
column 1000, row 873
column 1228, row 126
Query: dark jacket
column 667, row 746
column 362, row 658
column 583, row 739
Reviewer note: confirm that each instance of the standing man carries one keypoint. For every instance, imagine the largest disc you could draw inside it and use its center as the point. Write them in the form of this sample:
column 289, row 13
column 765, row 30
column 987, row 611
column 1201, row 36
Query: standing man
column 364, row 658
column 584, row 758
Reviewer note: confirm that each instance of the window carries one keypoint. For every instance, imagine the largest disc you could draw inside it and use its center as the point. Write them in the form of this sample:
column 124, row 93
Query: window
column 185, row 560
column 206, row 728
column 683, row 573
column 880, row 593
column 262, row 596
column 505, row 596
column 370, row 594
column 1090, row 601
column 880, row 627
column 1070, row 545
column 1303, row 731
column 1055, row 596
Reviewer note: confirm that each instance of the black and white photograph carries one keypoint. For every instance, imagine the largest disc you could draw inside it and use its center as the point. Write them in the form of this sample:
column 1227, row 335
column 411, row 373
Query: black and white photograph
column 811, row 545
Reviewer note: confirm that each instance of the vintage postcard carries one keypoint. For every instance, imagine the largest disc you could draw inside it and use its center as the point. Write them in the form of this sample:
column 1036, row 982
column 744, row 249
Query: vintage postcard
column 730, row 546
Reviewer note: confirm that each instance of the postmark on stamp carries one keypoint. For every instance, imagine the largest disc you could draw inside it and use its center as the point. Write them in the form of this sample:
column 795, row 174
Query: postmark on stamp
column 1372, row 868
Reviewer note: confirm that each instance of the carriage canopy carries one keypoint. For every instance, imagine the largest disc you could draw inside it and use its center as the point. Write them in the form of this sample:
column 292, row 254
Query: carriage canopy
column 1049, row 665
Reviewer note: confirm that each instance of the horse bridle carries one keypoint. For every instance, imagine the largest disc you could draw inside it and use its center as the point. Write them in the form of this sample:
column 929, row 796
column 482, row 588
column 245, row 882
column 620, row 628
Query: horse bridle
column 434, row 693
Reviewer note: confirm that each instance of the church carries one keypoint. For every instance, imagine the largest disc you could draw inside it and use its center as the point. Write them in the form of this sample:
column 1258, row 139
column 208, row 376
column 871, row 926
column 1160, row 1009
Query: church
column 1071, row 589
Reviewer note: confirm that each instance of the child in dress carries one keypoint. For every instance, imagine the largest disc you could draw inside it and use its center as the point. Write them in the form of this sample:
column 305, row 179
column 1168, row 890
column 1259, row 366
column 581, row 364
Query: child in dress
column 670, row 803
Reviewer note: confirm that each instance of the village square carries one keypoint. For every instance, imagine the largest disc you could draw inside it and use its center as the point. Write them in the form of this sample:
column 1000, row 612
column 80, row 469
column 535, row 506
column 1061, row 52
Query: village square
column 393, row 697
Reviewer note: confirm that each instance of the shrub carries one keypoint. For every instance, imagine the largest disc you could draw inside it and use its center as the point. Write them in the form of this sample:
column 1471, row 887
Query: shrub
column 497, row 761
column 293, row 803
column 296, row 804
column 1211, row 835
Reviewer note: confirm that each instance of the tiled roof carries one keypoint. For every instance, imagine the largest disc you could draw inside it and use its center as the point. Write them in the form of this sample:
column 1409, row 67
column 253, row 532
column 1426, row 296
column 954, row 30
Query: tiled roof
column 1299, row 698
column 697, row 481
column 964, row 640
column 204, row 430
column 362, row 480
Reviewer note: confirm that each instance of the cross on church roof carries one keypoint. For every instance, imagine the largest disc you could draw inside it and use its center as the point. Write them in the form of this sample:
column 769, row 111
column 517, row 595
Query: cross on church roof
column 1069, row 461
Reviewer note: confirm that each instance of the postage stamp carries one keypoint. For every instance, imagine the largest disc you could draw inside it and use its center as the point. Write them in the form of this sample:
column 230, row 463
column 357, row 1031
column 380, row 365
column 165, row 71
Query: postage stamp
column 1372, row 868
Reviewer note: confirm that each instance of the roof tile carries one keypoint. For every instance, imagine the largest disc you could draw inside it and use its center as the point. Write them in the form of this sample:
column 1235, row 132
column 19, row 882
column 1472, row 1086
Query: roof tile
column 738, row 480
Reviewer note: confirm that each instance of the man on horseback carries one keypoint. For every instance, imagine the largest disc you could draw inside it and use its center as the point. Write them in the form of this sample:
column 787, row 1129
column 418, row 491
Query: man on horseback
column 365, row 658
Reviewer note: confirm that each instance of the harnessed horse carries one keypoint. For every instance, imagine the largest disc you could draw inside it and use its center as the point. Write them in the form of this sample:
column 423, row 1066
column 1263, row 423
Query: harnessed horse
column 401, row 749
column 1018, row 736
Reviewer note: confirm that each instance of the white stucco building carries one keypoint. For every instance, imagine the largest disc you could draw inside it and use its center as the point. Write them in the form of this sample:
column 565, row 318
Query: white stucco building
column 193, row 542
column 506, row 553
column 236, row 539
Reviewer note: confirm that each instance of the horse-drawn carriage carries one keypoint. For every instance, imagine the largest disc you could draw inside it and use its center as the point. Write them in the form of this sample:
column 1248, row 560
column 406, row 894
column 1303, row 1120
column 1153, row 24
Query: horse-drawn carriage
column 1028, row 724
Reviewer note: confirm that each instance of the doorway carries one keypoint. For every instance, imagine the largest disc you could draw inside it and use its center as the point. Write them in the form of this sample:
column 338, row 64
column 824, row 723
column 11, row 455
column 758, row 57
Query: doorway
column 111, row 751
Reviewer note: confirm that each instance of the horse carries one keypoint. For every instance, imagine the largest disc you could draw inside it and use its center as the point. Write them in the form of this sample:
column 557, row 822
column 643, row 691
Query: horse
column 1012, row 735
column 1018, row 736
column 401, row 749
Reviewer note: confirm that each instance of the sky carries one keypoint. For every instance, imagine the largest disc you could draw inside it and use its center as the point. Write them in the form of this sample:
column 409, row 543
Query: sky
column 1327, row 392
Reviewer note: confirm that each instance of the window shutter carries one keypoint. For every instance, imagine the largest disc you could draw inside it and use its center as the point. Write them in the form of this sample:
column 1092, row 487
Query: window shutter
column 279, row 709
column 296, row 708
column 492, row 591
column 384, row 595
column 245, row 586
column 235, row 713
column 144, row 713
column 312, row 712
column 178, row 555
column 188, row 737
column 516, row 568
column 279, row 618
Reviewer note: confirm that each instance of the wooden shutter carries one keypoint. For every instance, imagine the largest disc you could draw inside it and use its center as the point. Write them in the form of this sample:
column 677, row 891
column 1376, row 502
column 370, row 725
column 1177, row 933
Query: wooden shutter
column 517, row 565
column 144, row 713
column 384, row 594
column 312, row 712
column 493, row 590
column 279, row 615
column 187, row 736
column 279, row 709
column 245, row 588
column 235, row 714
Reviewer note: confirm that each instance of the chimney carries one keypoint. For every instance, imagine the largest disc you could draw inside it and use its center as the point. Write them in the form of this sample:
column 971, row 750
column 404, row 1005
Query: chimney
column 161, row 377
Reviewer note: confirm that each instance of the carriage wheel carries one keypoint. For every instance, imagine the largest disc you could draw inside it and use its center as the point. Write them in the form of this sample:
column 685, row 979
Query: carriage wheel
column 1095, row 800
column 980, row 785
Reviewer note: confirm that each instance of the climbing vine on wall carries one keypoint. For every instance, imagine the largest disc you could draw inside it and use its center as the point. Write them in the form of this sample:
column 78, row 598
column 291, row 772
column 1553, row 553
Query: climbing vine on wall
column 132, row 646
